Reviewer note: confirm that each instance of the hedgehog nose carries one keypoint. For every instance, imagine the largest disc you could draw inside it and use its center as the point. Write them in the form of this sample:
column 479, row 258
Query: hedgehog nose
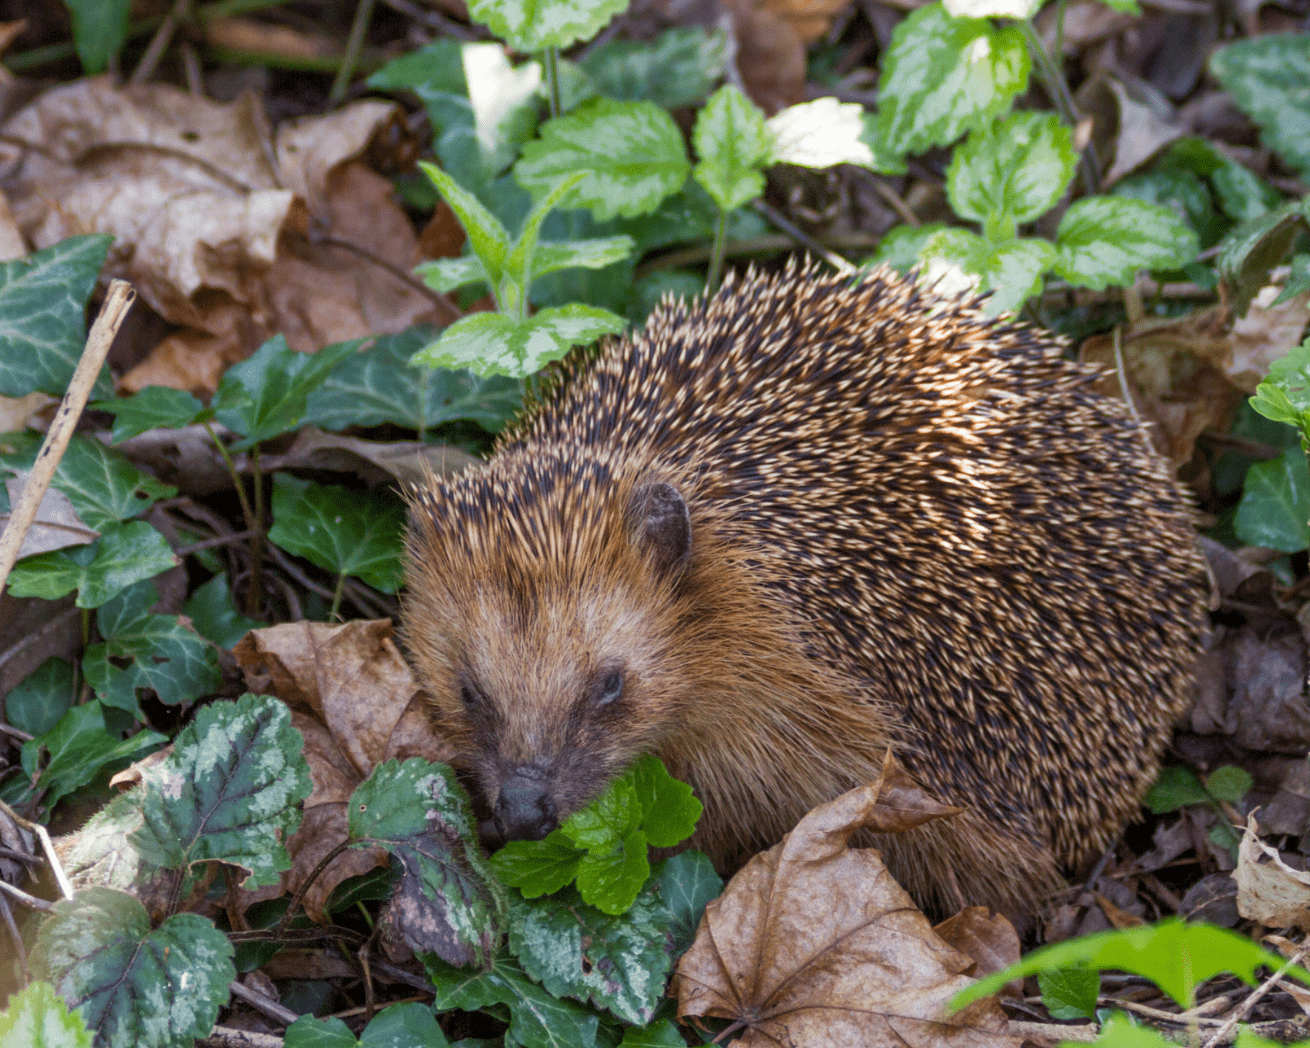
column 525, row 811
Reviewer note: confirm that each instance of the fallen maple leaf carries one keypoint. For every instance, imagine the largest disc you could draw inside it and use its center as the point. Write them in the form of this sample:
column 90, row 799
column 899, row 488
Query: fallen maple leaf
column 814, row 943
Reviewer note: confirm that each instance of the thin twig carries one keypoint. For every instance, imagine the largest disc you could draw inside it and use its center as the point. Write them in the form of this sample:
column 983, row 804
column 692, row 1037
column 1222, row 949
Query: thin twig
column 56, row 867
column 294, row 905
column 256, row 1000
column 896, row 201
column 115, row 307
column 218, row 540
column 15, row 936
column 354, row 45
column 15, row 733
column 1255, row 997
column 286, row 564
column 804, row 239
column 30, row 901
column 145, row 69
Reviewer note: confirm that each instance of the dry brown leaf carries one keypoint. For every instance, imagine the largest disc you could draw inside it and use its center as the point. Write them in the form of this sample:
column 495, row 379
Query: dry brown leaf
column 1270, row 893
column 57, row 524
column 986, row 937
column 771, row 37
column 1132, row 123
column 814, row 943
column 17, row 412
column 354, row 699
column 373, row 461
column 265, row 38
column 228, row 228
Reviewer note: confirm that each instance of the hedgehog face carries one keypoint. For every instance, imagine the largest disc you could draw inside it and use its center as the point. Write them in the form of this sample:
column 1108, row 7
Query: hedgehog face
column 547, row 672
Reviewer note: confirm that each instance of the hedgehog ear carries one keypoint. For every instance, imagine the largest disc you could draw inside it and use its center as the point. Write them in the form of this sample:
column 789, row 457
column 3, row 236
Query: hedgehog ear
column 663, row 525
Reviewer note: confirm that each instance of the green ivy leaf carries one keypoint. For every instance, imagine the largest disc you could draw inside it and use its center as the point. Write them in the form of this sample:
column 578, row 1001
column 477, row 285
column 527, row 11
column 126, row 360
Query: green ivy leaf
column 1229, row 783
column 37, row 1017
column 265, row 395
column 494, row 344
column 1248, row 254
column 942, row 76
column 1177, row 957
column 1269, row 78
column 1070, row 993
column 230, row 791
column 160, row 653
column 215, row 617
column 380, row 386
column 1175, row 788
column 124, row 554
column 155, row 407
column 733, row 145
column 538, row 1019
column 1106, row 240
column 620, row 963
column 632, row 152
column 538, row 867
column 1010, row 172
column 80, row 745
column 448, row 901
column 134, row 986
column 687, row 883
column 534, row 25
column 678, row 68
column 670, row 810
column 410, row 1025
column 43, row 300
column 36, row 704
column 342, row 531
column 1275, row 503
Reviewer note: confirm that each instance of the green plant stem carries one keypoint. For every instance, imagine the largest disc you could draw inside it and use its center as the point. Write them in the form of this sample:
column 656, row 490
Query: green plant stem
column 86, row 626
column 1058, row 57
column 354, row 45
column 716, row 258
column 1058, row 90
column 255, row 590
column 423, row 405
column 252, row 522
column 336, row 595
column 552, row 81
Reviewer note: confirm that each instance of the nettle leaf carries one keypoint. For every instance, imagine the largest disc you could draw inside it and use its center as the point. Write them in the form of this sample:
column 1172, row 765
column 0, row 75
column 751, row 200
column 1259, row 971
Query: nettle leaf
column 379, row 385
column 133, row 985
column 733, row 144
column 1010, row 172
column 538, row 867
column 37, row 1017
column 902, row 247
column 1070, row 993
column 487, row 236
column 494, row 344
column 1249, row 253
column 161, row 654
column 155, row 407
column 518, row 263
column 620, row 963
column 611, row 880
column 670, row 809
column 214, row 615
column 534, row 25
column 821, row 133
column 608, row 820
column 503, row 100
column 678, row 68
column 632, row 152
column 1012, row 270
column 1269, row 78
column 943, row 76
column 538, row 1019
column 342, row 531
column 1275, row 503
column 448, row 902
column 1174, row 788
column 43, row 300
column 230, row 791
column 265, row 395
column 124, row 554
column 79, row 746
column 1106, row 240
column 688, row 882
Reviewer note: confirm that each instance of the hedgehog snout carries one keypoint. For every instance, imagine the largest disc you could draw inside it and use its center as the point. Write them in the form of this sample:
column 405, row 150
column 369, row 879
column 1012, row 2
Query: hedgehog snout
column 525, row 809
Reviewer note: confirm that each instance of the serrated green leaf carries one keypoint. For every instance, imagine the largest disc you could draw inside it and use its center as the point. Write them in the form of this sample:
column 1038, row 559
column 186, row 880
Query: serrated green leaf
column 214, row 615
column 1106, row 240
column 446, row 274
column 1269, row 78
column 448, row 900
column 1178, row 957
column 620, row 963
column 688, row 882
column 100, row 853
column 632, row 152
column 1248, row 254
column 43, row 300
column 537, row 1018
column 1175, row 788
column 821, row 133
column 609, row 819
column 670, row 809
column 534, row 25
column 494, row 344
column 342, row 531
column 488, row 238
column 1012, row 171
column 99, row 30
column 155, row 407
column 733, row 145
column 134, row 986
column 1070, row 993
column 265, row 395
column 1229, row 783
column 1012, row 270
column 611, row 880
column 538, row 867
column 518, row 263
column 1273, row 402
column 943, row 76
column 678, row 68
column 1275, row 503
column 35, row 704
column 159, row 651
column 595, row 253
column 124, row 554
column 37, row 1017
column 380, row 385
column 230, row 791
column 79, row 746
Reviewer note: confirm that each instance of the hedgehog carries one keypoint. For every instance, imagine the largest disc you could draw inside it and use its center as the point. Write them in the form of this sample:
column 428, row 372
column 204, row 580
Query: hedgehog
column 787, row 527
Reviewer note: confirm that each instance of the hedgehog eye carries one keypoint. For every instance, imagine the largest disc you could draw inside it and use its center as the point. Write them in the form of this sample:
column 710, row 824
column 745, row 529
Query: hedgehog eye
column 609, row 688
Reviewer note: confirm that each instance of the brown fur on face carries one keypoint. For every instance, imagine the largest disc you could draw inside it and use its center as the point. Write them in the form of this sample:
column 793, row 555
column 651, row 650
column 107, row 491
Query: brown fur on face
column 909, row 525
